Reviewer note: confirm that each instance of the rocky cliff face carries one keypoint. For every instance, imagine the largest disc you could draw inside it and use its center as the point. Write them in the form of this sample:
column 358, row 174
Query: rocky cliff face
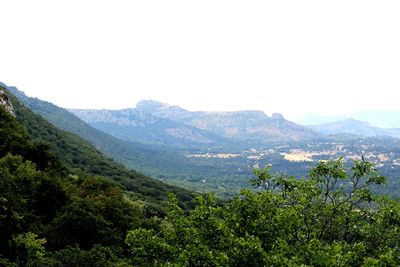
column 240, row 125
column 5, row 102
column 155, row 122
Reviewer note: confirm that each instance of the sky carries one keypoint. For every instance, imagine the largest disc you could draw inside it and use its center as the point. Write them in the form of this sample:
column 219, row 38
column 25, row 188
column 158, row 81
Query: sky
column 291, row 57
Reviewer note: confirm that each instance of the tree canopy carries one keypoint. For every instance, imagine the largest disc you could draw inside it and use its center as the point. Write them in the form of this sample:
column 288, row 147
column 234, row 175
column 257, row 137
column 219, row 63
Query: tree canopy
column 330, row 219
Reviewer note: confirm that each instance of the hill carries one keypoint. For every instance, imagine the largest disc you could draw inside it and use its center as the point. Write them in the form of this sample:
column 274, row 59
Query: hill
column 132, row 154
column 348, row 126
column 82, row 158
column 160, row 161
column 62, row 203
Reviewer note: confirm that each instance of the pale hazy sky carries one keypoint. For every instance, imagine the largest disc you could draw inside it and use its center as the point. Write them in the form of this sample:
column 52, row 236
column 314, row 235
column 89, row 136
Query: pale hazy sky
column 281, row 56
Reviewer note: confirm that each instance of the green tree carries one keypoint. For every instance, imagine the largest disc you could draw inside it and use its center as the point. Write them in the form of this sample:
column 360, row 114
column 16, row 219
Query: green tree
column 331, row 218
column 29, row 249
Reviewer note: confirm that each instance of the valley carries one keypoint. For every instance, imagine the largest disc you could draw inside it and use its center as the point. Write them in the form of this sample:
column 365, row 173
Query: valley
column 215, row 152
column 274, row 182
column 199, row 133
column 296, row 158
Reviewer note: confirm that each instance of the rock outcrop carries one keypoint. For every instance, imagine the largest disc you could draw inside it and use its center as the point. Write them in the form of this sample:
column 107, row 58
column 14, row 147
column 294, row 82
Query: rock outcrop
column 5, row 102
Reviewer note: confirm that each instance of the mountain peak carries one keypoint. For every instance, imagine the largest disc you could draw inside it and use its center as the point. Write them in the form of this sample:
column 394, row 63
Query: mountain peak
column 353, row 121
column 154, row 107
column 148, row 105
column 277, row 116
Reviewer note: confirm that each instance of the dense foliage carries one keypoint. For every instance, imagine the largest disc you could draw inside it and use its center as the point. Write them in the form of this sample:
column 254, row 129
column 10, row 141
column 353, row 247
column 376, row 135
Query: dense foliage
column 46, row 211
column 59, row 205
column 330, row 219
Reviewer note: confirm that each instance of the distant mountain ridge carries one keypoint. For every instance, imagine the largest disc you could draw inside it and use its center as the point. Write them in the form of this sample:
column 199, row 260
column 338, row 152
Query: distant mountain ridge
column 355, row 127
column 155, row 121
column 386, row 119
column 247, row 125
column 138, row 126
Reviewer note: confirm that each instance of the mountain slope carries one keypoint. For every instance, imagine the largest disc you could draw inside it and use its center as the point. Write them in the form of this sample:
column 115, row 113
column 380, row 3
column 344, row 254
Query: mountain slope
column 157, row 161
column 80, row 157
column 132, row 154
column 135, row 125
column 50, row 216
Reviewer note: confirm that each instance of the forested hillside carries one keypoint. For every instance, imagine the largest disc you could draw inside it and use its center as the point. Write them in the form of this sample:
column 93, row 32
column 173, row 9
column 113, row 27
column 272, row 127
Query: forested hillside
column 58, row 193
column 83, row 159
column 164, row 162
column 52, row 214
column 49, row 216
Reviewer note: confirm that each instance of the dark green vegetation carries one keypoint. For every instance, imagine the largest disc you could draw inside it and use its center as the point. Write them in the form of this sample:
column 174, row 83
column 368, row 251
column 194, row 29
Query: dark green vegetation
column 62, row 203
column 289, row 222
column 50, row 217
column 83, row 159
column 58, row 207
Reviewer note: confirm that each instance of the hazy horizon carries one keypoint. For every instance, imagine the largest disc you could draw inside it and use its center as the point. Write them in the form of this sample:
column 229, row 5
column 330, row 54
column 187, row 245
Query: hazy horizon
column 301, row 119
column 291, row 57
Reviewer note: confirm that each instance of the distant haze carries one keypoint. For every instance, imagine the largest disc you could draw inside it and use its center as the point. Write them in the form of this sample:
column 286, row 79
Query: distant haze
column 377, row 118
column 291, row 57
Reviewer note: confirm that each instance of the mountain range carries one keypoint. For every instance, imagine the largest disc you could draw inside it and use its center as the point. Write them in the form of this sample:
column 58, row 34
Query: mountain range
column 64, row 203
column 155, row 122
column 207, row 150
